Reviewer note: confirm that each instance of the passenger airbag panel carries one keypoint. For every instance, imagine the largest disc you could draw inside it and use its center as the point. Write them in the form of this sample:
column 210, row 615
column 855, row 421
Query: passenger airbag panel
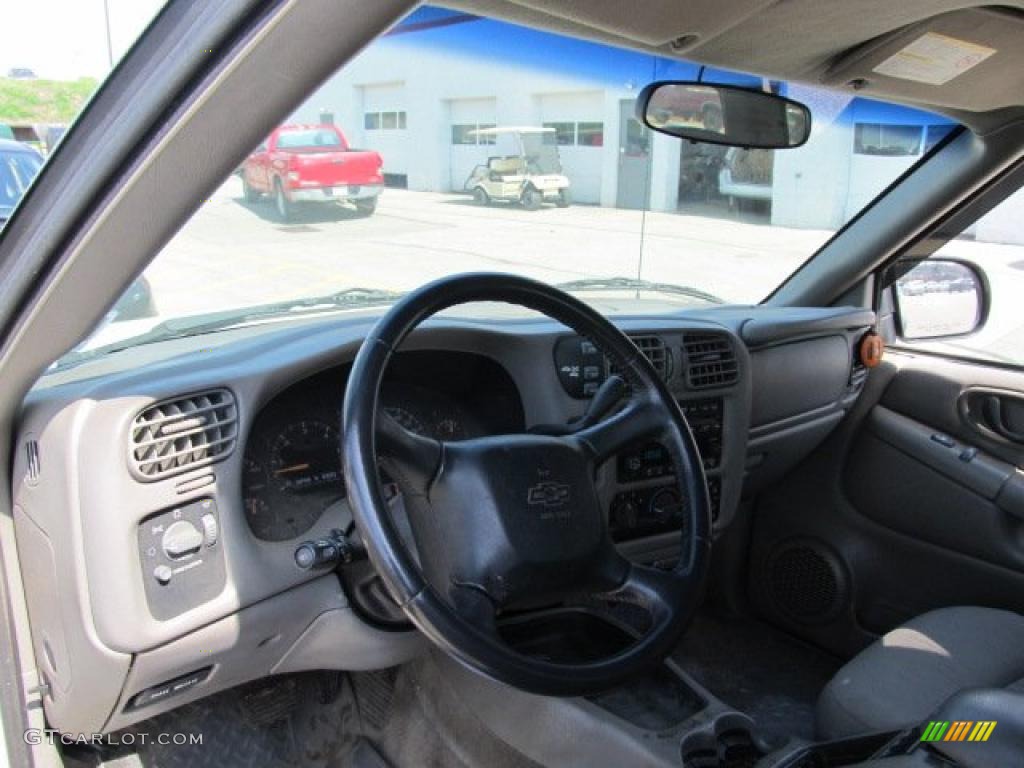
column 795, row 378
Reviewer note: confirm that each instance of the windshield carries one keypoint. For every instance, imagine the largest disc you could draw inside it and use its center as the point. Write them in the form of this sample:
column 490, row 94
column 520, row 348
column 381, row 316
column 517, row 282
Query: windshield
column 479, row 145
column 541, row 152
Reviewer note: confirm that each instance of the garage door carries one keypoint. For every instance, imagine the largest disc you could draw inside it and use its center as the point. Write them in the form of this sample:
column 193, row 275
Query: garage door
column 384, row 127
column 468, row 150
column 578, row 119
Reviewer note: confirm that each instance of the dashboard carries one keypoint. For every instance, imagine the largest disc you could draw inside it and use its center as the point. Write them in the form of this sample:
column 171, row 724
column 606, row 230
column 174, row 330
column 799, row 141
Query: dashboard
column 189, row 474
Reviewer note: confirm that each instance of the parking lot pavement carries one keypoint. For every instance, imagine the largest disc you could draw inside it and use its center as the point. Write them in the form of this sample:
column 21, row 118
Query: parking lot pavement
column 234, row 253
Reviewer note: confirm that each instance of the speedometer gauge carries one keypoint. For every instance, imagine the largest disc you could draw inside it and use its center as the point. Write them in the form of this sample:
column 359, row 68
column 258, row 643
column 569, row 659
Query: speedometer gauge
column 304, row 458
column 302, row 478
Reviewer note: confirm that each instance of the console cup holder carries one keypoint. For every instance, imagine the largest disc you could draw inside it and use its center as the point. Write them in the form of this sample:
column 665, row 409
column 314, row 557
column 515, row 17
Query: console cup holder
column 728, row 742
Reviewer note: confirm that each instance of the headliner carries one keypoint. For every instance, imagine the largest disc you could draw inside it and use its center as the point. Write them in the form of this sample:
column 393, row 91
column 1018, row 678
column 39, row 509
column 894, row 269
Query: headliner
column 834, row 43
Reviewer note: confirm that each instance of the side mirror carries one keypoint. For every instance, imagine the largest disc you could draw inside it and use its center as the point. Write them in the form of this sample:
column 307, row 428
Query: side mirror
column 724, row 114
column 938, row 298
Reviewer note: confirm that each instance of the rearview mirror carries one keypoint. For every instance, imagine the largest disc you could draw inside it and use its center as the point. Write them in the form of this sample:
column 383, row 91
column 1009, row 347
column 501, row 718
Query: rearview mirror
column 939, row 298
column 724, row 114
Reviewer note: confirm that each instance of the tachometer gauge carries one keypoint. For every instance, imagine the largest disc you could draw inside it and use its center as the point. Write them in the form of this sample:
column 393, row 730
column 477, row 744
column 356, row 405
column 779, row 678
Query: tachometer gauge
column 449, row 428
column 407, row 420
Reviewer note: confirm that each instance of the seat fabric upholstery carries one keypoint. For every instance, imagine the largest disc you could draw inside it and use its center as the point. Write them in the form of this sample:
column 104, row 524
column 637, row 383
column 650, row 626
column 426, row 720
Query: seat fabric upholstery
column 906, row 674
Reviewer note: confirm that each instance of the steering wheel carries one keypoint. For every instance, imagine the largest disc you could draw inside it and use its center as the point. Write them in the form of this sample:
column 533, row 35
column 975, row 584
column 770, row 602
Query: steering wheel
column 504, row 520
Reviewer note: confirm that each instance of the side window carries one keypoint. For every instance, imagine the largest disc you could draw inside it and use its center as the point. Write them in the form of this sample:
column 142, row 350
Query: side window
column 967, row 300
column 887, row 140
column 565, row 133
column 468, row 133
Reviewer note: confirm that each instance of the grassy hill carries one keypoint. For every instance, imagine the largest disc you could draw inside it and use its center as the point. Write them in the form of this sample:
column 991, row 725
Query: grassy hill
column 43, row 101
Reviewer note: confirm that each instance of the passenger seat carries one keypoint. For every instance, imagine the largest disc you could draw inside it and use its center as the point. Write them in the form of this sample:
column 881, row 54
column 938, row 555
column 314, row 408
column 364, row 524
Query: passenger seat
column 906, row 674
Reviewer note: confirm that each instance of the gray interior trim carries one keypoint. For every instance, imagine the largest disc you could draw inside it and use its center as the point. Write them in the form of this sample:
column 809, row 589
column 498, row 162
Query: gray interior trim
column 272, row 637
column 770, row 327
column 12, row 703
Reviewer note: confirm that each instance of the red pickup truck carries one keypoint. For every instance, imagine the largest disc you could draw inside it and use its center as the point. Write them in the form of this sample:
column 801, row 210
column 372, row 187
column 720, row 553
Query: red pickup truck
column 312, row 163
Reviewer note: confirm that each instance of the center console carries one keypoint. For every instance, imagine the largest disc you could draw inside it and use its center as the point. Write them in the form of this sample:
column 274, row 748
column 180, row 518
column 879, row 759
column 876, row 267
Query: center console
column 662, row 717
column 648, row 501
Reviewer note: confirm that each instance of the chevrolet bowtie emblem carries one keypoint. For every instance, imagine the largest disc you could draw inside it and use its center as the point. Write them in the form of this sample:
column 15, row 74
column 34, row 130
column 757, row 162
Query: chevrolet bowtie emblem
column 548, row 494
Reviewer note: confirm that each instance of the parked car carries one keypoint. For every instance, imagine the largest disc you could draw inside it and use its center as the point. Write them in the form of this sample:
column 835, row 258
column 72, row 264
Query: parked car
column 314, row 164
column 19, row 164
column 529, row 174
column 746, row 174
column 695, row 105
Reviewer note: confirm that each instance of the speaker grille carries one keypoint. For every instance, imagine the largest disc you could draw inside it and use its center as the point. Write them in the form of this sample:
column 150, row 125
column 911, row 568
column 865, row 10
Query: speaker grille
column 806, row 582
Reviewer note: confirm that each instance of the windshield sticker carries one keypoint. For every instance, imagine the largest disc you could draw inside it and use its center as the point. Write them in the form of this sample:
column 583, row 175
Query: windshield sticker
column 934, row 59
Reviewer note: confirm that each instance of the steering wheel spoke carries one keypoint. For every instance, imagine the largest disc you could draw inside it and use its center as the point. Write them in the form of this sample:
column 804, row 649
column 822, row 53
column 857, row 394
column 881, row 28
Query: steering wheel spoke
column 474, row 607
column 655, row 590
column 412, row 458
column 641, row 418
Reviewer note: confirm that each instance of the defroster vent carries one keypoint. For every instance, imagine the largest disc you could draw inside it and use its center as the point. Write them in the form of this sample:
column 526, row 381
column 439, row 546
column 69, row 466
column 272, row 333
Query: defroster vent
column 709, row 360
column 176, row 435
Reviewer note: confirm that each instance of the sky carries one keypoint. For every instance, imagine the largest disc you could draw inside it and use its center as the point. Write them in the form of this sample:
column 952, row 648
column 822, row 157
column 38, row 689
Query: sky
column 67, row 39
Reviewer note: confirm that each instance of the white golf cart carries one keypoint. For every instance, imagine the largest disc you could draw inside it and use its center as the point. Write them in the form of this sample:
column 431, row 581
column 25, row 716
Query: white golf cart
column 527, row 171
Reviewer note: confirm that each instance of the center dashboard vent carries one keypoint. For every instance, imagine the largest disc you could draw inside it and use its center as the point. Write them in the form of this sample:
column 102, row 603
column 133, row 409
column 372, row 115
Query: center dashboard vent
column 655, row 350
column 709, row 361
column 176, row 435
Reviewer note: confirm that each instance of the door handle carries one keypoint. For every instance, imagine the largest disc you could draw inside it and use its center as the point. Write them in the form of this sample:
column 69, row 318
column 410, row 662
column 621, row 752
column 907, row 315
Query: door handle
column 993, row 410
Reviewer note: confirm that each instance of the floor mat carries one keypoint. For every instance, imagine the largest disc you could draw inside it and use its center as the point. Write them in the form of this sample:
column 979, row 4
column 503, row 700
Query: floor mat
column 765, row 673
column 395, row 718
column 412, row 718
column 306, row 720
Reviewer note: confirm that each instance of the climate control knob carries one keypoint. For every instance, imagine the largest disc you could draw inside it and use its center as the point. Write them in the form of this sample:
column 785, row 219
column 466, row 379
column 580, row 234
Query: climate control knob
column 181, row 539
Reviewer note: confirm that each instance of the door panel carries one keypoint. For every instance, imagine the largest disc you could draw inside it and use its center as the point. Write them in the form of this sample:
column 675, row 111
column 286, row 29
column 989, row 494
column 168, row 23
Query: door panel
column 916, row 502
column 903, row 478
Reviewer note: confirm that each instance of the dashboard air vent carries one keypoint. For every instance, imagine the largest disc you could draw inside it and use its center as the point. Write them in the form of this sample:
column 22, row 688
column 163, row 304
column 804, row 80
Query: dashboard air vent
column 180, row 434
column 858, row 371
column 655, row 350
column 710, row 361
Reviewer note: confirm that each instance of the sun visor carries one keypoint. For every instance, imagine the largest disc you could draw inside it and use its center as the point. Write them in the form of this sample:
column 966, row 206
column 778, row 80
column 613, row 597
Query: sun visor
column 971, row 59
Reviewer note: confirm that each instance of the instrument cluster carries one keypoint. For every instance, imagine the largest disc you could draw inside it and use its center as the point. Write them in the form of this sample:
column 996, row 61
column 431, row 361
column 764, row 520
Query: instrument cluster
column 292, row 468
